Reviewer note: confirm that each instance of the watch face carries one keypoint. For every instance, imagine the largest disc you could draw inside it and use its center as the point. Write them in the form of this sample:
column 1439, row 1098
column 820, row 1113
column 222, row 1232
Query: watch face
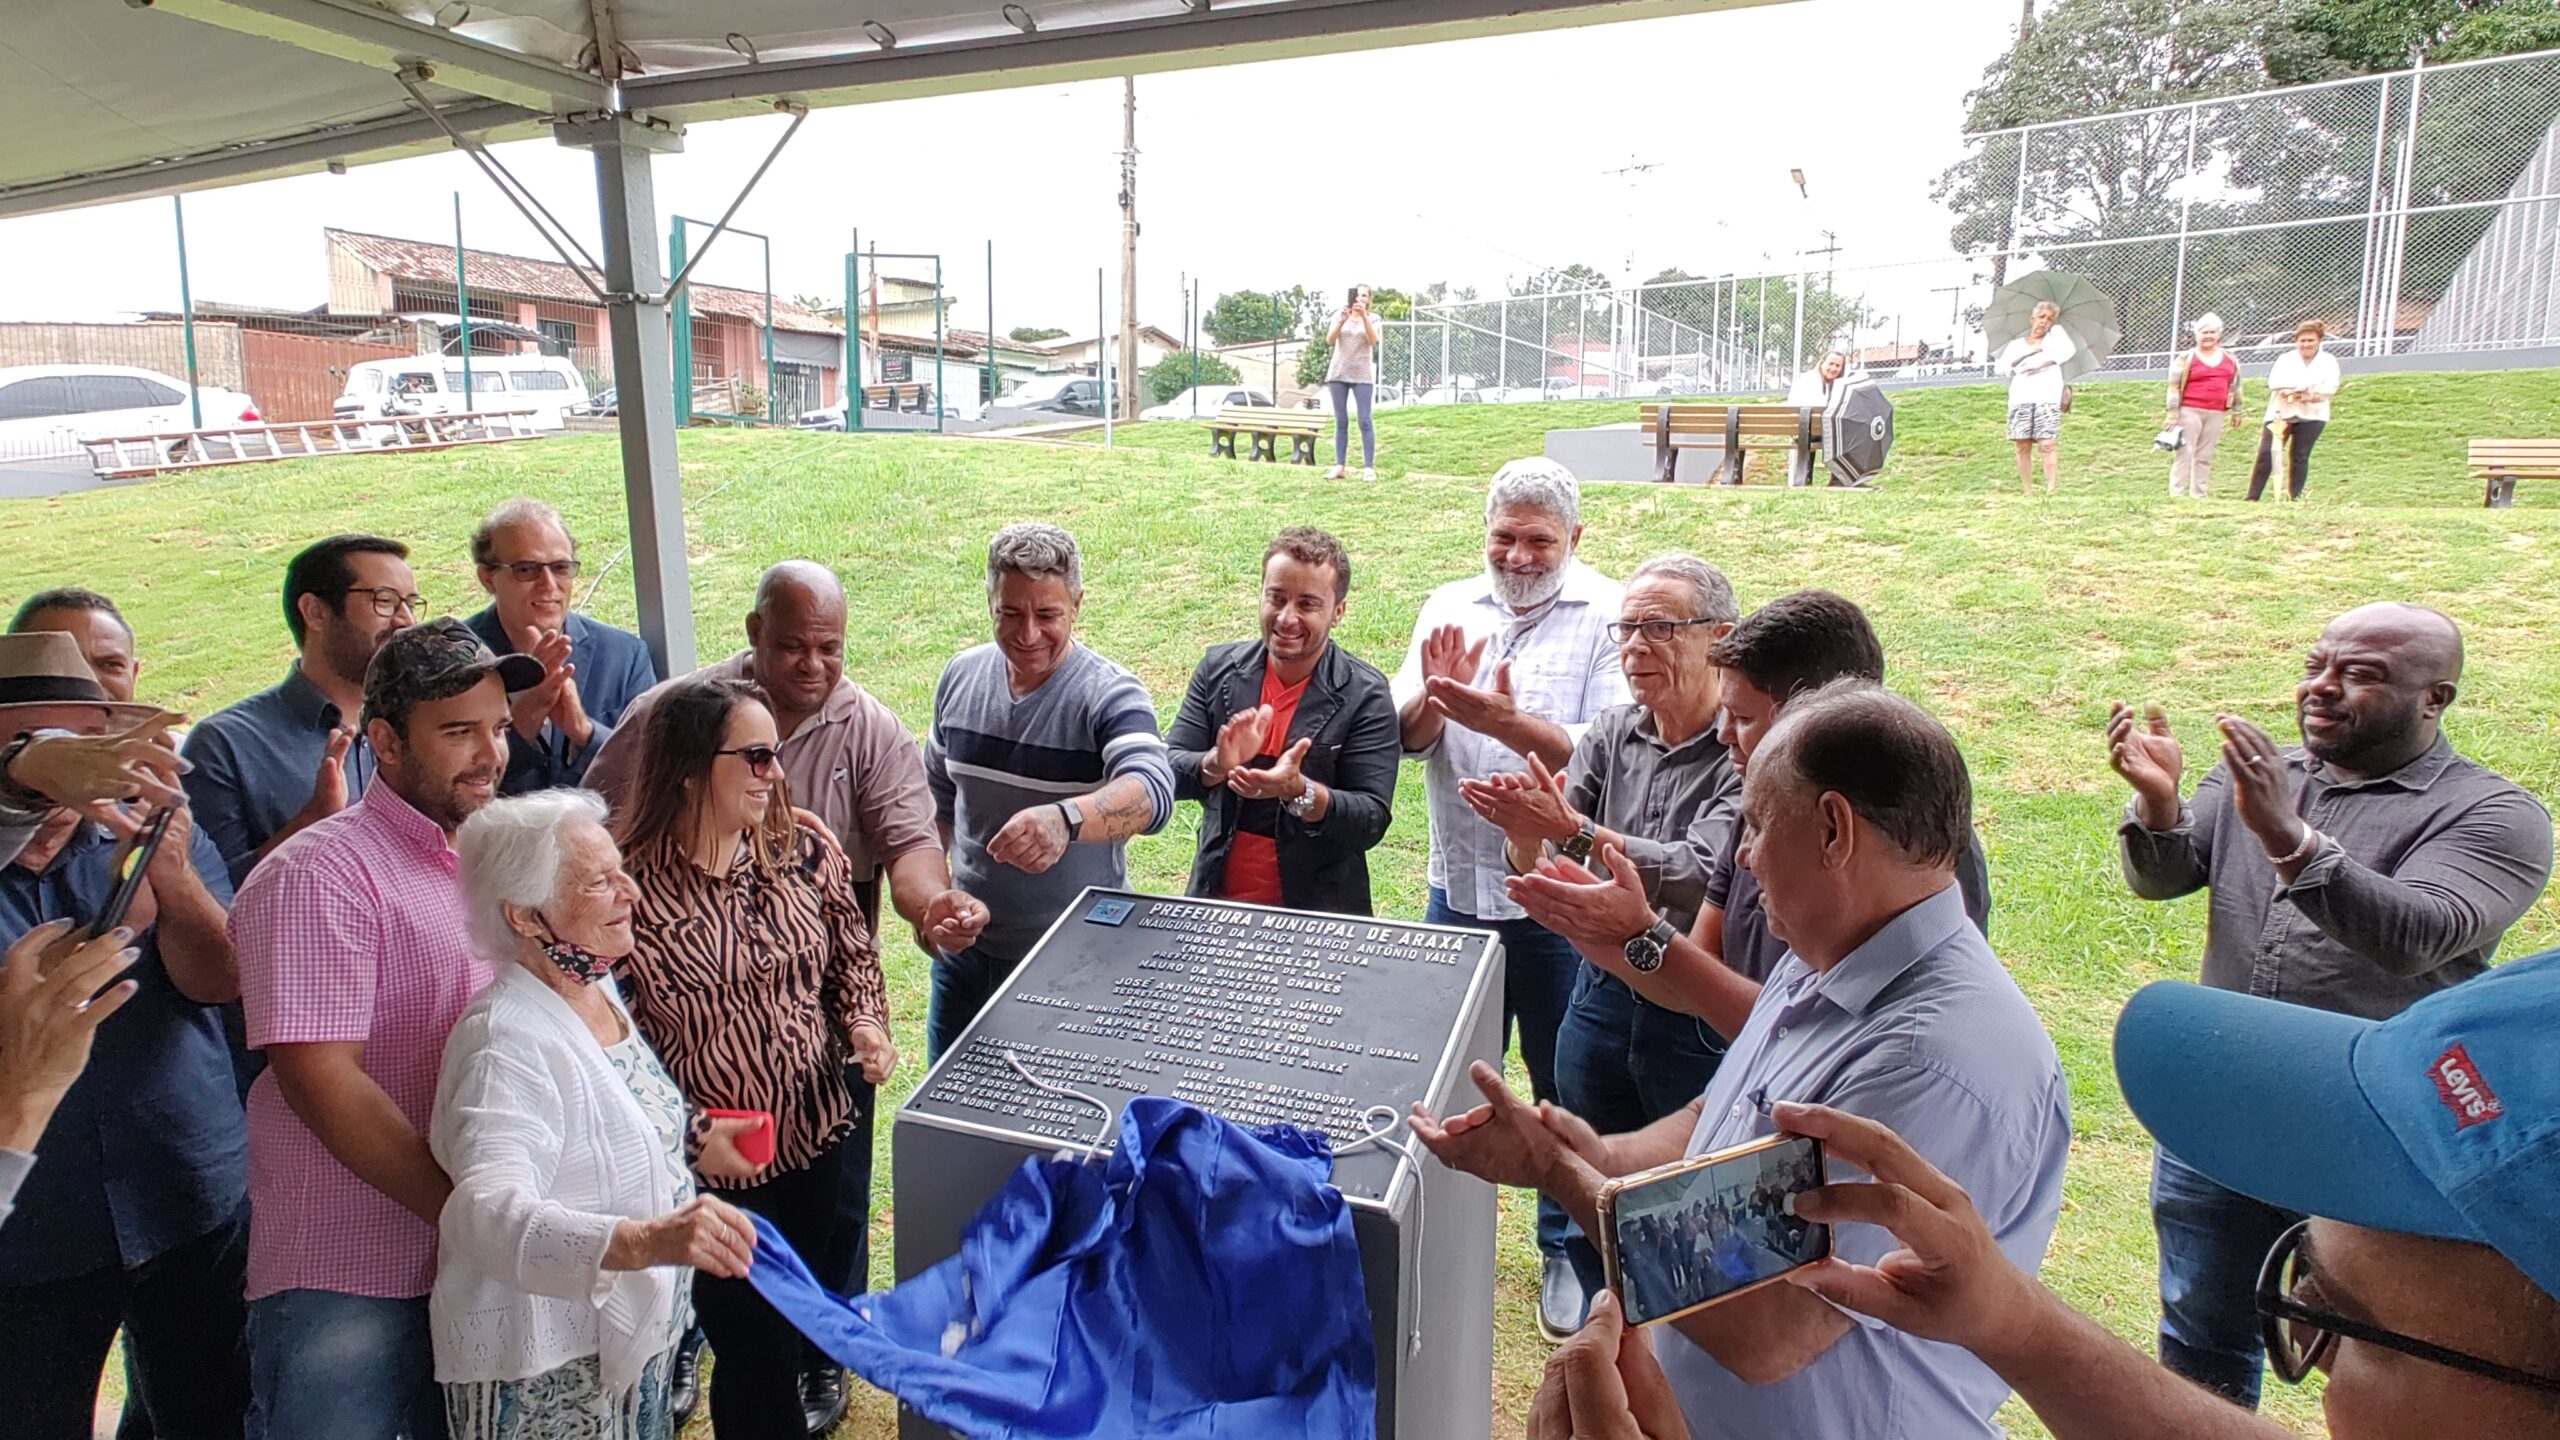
column 1643, row 955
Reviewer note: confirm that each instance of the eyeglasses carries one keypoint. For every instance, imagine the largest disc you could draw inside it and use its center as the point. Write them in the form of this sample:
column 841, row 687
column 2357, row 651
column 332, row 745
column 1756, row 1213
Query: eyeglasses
column 388, row 602
column 2301, row 1334
column 1658, row 632
column 759, row 758
column 528, row 571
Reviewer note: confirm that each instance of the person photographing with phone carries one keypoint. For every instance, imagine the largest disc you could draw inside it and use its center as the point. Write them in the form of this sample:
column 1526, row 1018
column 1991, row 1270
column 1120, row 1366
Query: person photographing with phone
column 1352, row 376
column 134, row 1213
column 2360, row 872
column 1889, row 1004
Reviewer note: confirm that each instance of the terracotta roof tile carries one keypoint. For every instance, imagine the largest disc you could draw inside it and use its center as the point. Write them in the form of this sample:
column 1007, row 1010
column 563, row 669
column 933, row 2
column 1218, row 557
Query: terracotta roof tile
column 518, row 275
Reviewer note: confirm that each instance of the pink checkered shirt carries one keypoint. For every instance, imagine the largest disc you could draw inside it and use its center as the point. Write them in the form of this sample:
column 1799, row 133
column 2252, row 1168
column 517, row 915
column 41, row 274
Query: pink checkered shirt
column 352, row 930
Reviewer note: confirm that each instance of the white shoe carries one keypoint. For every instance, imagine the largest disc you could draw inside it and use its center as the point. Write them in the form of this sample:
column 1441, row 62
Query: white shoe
column 1334, row 474
column 1368, row 474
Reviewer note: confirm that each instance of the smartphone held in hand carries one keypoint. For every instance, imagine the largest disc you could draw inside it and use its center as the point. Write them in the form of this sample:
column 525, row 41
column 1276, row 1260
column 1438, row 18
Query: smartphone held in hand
column 131, row 866
column 755, row 1143
column 1705, row 1229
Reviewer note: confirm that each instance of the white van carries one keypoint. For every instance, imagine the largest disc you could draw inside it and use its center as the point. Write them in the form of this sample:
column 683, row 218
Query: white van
column 545, row 387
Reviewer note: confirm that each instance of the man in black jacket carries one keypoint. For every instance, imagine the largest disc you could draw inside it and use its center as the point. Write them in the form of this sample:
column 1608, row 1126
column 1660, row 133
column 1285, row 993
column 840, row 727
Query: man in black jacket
column 1290, row 744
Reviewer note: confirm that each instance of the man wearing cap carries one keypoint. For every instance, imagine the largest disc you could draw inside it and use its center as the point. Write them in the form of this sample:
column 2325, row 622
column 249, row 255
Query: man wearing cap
column 354, row 965
column 591, row 671
column 134, row 1213
column 1504, row 664
column 2359, row 873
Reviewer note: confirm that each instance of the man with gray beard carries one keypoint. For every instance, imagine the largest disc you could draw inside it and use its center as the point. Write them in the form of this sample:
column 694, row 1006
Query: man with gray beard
column 1507, row 664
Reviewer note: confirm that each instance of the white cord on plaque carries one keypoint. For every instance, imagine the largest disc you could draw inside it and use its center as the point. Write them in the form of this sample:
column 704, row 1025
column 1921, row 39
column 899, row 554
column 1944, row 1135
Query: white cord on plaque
column 1410, row 1149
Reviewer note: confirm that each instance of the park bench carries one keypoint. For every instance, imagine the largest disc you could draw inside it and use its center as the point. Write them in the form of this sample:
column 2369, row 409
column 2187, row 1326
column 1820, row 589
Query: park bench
column 1265, row 424
column 1733, row 429
column 2499, row 464
column 917, row 395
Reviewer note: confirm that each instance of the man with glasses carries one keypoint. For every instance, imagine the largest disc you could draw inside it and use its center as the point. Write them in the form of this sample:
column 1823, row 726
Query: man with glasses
column 591, row 672
column 1651, row 780
column 2361, row 872
column 290, row 756
column 1510, row 662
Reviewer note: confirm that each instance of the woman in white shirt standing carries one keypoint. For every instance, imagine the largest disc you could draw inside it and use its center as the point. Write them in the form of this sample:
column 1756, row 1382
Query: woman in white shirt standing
column 2298, row 391
column 561, row 1286
column 2033, row 363
column 1352, row 376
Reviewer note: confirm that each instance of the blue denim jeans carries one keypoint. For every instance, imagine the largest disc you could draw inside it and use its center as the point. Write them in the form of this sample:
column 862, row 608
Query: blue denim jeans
column 326, row 1366
column 962, row 986
column 1538, row 967
column 2213, row 1242
column 1623, row 1062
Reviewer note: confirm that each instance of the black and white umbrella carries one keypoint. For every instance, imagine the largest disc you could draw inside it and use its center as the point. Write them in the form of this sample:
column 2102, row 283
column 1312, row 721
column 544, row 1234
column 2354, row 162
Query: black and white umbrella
column 1857, row 431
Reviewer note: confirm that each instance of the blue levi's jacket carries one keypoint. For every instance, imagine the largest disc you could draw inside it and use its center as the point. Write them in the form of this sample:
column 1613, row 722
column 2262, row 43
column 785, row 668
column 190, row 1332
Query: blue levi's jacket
column 1201, row 1283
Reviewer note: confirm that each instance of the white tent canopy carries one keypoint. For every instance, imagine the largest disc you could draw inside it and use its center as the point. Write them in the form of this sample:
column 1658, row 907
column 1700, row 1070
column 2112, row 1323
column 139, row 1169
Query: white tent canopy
column 109, row 99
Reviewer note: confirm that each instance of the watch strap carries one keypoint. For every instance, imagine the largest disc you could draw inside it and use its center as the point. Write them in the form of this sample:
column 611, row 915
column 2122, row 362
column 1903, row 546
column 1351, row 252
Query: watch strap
column 1577, row 846
column 1075, row 817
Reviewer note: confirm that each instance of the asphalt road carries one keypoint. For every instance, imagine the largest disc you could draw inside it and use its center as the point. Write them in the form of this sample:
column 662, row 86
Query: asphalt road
column 24, row 479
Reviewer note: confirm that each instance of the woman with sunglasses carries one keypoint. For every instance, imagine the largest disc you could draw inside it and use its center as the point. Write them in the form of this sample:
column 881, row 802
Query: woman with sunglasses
column 756, row 981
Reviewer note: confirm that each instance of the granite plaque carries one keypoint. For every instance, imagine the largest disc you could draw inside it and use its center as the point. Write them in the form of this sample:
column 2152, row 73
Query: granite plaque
column 1258, row 1015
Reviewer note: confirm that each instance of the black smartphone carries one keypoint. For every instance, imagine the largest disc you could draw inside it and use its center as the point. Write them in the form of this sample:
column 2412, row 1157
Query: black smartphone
column 1692, row 1233
column 130, row 868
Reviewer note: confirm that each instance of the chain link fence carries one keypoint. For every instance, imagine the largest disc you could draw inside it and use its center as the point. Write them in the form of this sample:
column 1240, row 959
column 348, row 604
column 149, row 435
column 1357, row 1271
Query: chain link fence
column 2411, row 213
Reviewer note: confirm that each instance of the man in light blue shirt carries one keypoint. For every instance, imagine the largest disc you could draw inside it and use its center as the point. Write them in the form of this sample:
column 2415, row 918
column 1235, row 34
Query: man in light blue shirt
column 1889, row 1005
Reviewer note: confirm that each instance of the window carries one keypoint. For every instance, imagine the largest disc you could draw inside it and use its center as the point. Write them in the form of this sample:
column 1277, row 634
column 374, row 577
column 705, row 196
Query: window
column 483, row 382
column 415, row 382
column 559, row 337
column 36, row 399
column 91, row 393
column 534, row 379
column 372, row 382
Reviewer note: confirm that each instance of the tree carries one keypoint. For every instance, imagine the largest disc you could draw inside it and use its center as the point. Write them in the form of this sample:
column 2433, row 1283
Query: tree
column 1315, row 360
column 1033, row 334
column 1182, row 369
column 1240, row 317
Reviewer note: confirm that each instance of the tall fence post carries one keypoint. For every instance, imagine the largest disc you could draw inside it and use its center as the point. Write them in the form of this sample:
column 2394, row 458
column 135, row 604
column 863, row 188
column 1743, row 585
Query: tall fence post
column 853, row 330
column 187, row 316
column 937, row 344
column 1102, row 372
column 1795, row 360
column 462, row 306
column 2186, row 211
column 2369, row 286
column 772, row 390
column 990, row 356
column 2390, row 328
column 680, row 314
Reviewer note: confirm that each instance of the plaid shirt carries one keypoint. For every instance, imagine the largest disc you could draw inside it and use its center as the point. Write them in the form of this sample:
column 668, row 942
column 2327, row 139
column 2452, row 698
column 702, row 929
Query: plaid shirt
column 1563, row 669
column 350, row 931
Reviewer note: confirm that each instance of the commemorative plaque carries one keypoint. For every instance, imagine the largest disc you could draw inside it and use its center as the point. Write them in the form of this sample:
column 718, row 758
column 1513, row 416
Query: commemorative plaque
column 1259, row 1015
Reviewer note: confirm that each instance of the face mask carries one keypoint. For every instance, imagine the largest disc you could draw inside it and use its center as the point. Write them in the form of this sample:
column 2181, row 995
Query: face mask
column 575, row 961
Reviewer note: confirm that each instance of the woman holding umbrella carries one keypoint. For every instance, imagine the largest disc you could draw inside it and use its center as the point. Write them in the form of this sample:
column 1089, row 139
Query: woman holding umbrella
column 2298, row 391
column 2033, row 363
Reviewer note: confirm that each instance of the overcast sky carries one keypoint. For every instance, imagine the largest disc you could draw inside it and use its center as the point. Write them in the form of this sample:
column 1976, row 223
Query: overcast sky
column 1466, row 162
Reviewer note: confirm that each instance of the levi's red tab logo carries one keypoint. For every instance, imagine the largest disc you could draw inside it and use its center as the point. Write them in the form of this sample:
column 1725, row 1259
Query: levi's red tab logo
column 2463, row 1091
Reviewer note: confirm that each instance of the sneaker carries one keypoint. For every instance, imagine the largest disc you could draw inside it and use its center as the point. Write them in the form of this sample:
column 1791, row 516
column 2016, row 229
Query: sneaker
column 1334, row 474
column 822, row 1397
column 1367, row 474
column 1562, row 1307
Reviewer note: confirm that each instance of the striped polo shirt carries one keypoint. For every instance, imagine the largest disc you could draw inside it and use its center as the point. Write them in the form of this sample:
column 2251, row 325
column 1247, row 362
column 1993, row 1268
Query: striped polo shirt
column 990, row 755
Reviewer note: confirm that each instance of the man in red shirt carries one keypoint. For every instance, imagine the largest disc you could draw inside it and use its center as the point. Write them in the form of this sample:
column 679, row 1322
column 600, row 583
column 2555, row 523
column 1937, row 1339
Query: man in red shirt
column 1290, row 744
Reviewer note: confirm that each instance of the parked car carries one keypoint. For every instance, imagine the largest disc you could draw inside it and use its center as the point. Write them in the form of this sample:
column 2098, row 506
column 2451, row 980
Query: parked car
column 1463, row 392
column 47, row 410
column 601, row 404
column 1203, row 401
column 545, row 387
column 1048, row 398
column 1558, row 387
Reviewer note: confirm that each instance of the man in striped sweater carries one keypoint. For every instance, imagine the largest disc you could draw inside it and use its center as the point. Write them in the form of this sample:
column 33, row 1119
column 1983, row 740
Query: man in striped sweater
column 1044, row 758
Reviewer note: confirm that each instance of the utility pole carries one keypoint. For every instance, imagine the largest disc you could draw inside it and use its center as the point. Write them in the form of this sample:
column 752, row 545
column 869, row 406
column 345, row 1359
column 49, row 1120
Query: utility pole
column 1127, row 387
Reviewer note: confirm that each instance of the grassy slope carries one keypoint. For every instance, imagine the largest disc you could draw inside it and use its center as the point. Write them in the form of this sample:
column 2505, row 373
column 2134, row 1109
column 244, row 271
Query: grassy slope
column 2016, row 620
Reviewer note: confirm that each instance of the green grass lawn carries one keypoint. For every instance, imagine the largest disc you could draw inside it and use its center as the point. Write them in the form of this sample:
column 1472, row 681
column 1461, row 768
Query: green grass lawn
column 2015, row 620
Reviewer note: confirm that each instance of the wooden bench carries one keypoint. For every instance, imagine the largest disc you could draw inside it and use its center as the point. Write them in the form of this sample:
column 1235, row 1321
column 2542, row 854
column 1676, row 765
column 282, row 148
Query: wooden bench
column 918, row 394
column 1266, row 424
column 2499, row 464
column 1733, row 429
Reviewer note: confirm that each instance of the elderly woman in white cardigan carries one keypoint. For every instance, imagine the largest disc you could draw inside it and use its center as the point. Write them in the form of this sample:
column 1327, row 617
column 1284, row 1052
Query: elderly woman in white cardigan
column 561, row 1283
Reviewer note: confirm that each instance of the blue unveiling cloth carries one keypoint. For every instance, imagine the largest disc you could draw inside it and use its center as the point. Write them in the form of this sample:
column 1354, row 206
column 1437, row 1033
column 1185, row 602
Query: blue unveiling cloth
column 1201, row 1283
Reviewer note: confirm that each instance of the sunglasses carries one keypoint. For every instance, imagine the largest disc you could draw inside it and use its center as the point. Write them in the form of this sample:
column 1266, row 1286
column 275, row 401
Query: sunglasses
column 528, row 571
column 2300, row 1334
column 759, row 758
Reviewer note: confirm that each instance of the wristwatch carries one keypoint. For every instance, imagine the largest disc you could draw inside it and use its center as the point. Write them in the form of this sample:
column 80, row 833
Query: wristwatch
column 1577, row 846
column 1304, row 801
column 1075, row 818
column 1645, row 952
